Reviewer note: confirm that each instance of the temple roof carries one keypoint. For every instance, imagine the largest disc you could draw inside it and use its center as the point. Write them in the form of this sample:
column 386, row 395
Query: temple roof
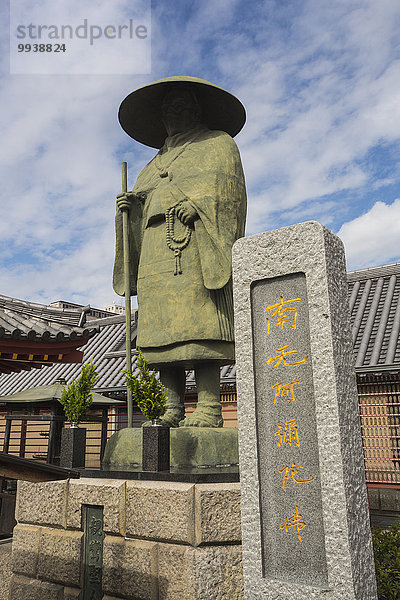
column 19, row 319
column 33, row 335
column 104, row 348
column 374, row 298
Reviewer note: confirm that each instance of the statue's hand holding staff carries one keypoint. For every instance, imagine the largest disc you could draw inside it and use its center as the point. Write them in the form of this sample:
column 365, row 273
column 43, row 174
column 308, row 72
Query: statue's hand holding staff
column 126, row 199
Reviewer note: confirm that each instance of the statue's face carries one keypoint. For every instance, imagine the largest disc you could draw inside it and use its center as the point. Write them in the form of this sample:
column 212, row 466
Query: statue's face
column 179, row 112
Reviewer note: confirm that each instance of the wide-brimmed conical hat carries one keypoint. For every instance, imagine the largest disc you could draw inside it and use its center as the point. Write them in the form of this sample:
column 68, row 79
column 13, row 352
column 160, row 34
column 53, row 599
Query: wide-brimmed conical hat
column 140, row 112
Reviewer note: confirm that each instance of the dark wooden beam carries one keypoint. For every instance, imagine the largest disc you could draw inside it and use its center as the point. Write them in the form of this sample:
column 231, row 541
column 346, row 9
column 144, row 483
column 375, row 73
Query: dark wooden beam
column 13, row 467
column 22, row 366
column 5, row 367
column 26, row 346
column 17, row 365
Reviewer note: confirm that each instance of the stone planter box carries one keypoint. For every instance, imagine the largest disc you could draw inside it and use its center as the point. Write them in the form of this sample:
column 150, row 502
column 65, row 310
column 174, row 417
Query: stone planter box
column 156, row 448
column 73, row 447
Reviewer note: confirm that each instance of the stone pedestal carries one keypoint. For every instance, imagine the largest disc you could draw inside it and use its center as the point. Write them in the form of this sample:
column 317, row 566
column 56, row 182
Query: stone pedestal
column 169, row 541
column 190, row 447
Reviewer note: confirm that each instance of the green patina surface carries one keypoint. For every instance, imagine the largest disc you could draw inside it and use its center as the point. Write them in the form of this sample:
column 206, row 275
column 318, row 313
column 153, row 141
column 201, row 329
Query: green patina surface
column 191, row 447
column 191, row 298
column 174, row 236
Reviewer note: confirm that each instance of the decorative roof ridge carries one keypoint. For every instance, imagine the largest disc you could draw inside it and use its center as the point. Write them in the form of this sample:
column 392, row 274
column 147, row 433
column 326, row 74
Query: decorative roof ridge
column 28, row 303
column 53, row 314
column 48, row 335
column 374, row 272
column 105, row 321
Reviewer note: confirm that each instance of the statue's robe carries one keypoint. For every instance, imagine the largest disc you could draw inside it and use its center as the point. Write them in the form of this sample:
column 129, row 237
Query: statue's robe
column 186, row 317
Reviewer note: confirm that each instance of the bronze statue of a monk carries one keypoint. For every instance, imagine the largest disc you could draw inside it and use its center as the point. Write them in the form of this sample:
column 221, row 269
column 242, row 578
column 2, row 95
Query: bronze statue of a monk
column 187, row 208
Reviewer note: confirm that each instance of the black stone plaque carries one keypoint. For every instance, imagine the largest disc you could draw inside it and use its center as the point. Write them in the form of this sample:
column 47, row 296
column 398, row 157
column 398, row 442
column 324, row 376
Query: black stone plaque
column 93, row 553
column 290, row 492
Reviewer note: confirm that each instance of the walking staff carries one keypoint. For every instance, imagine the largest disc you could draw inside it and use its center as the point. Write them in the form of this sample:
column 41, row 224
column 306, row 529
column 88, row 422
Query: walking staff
column 127, row 287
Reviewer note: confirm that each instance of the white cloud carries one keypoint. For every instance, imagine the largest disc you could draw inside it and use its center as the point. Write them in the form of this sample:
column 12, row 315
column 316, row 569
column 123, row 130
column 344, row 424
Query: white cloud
column 320, row 85
column 373, row 238
column 60, row 173
column 318, row 99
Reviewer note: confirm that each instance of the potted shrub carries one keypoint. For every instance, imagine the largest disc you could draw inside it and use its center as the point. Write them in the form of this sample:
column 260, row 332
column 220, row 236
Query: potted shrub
column 151, row 398
column 76, row 399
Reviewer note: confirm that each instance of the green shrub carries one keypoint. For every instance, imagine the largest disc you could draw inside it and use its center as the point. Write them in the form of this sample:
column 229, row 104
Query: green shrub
column 77, row 397
column 147, row 392
column 387, row 562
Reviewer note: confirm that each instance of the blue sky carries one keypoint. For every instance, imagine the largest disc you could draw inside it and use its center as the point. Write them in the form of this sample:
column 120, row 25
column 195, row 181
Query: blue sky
column 320, row 81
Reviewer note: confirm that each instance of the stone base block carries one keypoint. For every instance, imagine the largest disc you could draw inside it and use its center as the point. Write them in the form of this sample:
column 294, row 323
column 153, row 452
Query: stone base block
column 23, row 588
column 25, row 549
column 109, row 493
column 60, row 556
column 170, row 541
column 160, row 512
column 130, row 568
column 190, row 447
column 5, row 569
column 72, row 593
column 217, row 514
column 199, row 573
column 42, row 503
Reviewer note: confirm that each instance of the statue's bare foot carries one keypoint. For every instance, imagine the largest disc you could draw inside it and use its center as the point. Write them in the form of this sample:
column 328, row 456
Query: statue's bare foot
column 172, row 418
column 204, row 416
